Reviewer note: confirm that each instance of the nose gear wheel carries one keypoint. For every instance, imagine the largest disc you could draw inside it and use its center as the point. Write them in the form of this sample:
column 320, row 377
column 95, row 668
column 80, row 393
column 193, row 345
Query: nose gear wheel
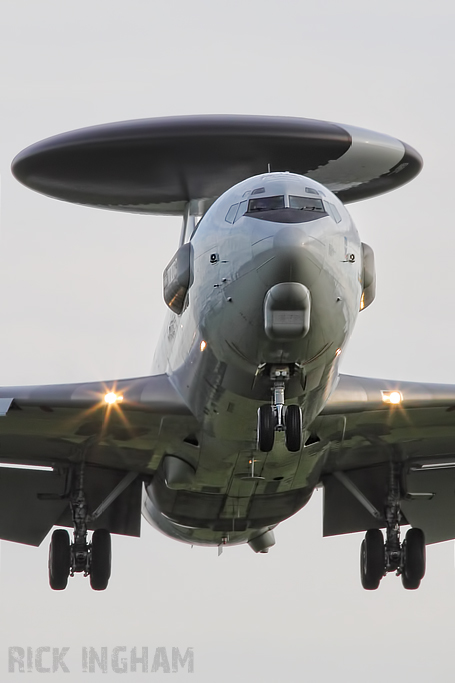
column 278, row 417
column 266, row 428
column 293, row 423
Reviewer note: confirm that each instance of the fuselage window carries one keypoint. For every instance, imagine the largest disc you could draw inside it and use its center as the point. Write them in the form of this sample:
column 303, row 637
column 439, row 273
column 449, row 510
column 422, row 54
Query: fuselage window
column 306, row 203
column 266, row 204
column 241, row 210
column 332, row 211
column 230, row 216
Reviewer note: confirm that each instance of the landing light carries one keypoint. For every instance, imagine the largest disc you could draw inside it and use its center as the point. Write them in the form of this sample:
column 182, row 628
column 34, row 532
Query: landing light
column 111, row 398
column 38, row 468
column 203, row 345
column 393, row 397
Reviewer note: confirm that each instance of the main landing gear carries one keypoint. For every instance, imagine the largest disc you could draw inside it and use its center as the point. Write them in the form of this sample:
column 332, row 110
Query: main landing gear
column 407, row 559
column 376, row 559
column 277, row 417
column 67, row 559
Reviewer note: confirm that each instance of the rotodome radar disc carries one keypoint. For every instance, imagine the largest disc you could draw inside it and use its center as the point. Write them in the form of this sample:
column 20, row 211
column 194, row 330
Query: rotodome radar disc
column 158, row 165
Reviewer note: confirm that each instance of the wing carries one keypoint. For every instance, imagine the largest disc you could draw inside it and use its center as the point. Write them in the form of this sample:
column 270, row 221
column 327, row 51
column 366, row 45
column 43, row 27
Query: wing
column 58, row 426
column 367, row 432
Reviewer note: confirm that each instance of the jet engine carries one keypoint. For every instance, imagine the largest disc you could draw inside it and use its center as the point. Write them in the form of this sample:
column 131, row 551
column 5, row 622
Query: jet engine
column 369, row 277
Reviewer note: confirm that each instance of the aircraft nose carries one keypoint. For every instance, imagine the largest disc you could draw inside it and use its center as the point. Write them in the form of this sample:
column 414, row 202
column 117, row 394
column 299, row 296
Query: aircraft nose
column 290, row 237
column 290, row 255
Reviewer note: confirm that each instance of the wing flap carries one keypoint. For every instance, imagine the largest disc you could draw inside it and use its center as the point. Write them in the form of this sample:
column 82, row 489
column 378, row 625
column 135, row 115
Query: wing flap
column 343, row 513
column 32, row 502
column 24, row 516
column 123, row 516
column 430, row 502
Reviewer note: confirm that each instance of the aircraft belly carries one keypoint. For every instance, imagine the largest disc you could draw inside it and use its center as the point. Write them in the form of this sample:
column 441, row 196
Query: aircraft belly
column 221, row 499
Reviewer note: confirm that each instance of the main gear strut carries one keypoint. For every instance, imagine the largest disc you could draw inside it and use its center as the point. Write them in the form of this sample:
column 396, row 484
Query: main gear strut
column 407, row 559
column 67, row 559
column 92, row 558
column 393, row 559
column 79, row 511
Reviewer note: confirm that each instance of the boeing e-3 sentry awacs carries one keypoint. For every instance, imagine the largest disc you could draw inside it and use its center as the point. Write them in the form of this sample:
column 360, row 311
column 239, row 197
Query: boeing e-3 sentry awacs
column 245, row 413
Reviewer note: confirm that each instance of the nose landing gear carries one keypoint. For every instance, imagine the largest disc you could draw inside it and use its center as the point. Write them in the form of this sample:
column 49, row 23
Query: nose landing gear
column 278, row 417
column 293, row 420
column 266, row 428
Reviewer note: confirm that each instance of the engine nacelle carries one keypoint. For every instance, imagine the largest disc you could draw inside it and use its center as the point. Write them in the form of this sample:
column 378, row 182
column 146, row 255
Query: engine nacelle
column 178, row 277
column 369, row 277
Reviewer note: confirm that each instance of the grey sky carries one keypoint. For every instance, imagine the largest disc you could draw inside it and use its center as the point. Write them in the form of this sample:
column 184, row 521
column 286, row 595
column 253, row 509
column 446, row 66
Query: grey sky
column 81, row 299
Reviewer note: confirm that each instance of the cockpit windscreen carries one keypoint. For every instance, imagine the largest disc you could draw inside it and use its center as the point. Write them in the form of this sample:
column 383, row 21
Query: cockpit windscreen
column 306, row 203
column 266, row 204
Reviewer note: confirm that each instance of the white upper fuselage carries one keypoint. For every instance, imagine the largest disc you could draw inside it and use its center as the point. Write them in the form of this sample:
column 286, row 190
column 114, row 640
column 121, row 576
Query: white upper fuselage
column 239, row 254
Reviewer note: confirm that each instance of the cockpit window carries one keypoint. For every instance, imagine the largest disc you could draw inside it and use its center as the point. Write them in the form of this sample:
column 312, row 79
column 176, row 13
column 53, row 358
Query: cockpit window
column 331, row 209
column 241, row 209
column 306, row 203
column 231, row 213
column 236, row 211
column 266, row 204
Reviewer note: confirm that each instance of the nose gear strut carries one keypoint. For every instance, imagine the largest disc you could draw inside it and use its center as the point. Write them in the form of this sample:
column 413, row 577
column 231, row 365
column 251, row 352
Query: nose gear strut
column 277, row 417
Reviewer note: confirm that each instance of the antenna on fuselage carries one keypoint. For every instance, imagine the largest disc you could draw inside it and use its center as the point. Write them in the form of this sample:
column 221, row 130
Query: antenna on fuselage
column 251, row 476
column 269, row 170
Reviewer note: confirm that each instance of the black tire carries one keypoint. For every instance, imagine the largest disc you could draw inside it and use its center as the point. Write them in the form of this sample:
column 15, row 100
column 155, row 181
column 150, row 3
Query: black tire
column 414, row 560
column 293, row 428
column 100, row 563
column 266, row 428
column 372, row 559
column 408, row 584
column 59, row 559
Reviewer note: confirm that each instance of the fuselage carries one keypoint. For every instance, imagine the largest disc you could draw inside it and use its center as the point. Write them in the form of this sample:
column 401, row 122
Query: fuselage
column 276, row 279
